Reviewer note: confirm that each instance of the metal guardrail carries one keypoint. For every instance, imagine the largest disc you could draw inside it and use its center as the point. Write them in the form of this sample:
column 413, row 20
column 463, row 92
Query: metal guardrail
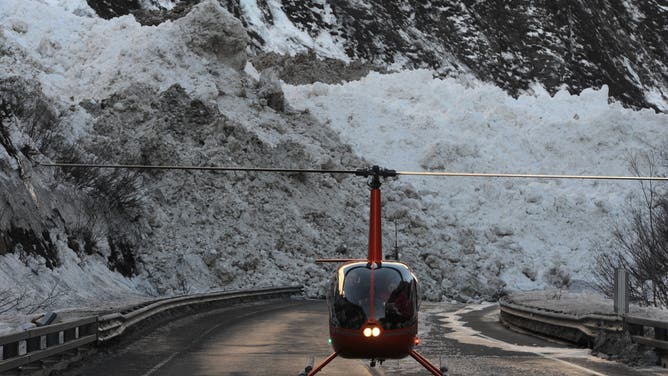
column 35, row 344
column 657, row 338
column 116, row 324
column 39, row 343
column 588, row 326
column 581, row 329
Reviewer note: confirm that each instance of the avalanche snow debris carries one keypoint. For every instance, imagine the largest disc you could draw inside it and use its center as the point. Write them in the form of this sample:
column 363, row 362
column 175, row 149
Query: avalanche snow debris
column 175, row 93
column 410, row 121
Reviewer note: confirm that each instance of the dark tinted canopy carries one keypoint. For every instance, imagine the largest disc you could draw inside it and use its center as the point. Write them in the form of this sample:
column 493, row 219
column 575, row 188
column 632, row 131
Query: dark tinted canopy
column 388, row 293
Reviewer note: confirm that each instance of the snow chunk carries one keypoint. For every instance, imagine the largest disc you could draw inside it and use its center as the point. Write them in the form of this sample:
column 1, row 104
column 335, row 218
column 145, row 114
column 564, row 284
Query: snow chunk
column 209, row 28
column 83, row 58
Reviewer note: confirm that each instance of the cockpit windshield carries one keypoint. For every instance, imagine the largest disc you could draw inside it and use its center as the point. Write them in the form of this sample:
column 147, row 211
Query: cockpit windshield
column 388, row 292
column 395, row 297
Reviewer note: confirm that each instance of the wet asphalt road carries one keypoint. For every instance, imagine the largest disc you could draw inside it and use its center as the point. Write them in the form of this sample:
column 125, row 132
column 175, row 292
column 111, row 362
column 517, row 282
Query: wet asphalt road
column 277, row 337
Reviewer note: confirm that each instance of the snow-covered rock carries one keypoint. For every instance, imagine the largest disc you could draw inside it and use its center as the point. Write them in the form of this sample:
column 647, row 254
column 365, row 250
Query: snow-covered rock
column 211, row 30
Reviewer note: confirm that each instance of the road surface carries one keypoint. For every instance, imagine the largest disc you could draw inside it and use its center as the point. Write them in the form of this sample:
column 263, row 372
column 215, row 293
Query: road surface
column 276, row 338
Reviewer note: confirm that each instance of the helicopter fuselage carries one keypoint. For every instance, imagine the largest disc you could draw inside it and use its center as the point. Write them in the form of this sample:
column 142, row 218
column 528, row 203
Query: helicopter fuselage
column 373, row 310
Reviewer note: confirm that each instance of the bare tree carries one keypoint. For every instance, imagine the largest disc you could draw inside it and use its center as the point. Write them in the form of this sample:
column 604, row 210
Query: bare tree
column 641, row 245
column 23, row 301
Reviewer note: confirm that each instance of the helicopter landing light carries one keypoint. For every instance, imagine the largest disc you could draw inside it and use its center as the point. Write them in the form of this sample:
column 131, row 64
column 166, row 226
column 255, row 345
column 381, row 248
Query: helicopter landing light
column 371, row 331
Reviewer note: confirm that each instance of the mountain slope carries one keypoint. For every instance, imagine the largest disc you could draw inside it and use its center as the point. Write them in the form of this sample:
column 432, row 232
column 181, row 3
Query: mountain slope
column 559, row 44
column 571, row 44
column 169, row 84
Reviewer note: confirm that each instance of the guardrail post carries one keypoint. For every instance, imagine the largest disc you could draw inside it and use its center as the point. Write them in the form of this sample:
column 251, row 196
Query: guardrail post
column 662, row 335
column 10, row 350
column 23, row 347
column 622, row 293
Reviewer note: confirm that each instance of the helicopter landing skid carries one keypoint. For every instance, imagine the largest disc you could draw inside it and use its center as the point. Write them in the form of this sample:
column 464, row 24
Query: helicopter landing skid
column 309, row 371
column 426, row 364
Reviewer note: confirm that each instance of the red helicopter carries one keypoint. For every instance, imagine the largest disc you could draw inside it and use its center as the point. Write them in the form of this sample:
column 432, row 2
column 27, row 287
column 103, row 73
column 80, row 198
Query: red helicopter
column 373, row 303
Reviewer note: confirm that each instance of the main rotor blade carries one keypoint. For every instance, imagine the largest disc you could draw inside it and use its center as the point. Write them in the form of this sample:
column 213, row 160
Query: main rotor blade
column 531, row 176
column 360, row 172
column 195, row 168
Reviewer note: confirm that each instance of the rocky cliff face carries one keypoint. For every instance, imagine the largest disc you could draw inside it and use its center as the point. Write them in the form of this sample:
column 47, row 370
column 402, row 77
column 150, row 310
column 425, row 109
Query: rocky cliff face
column 576, row 44
column 572, row 44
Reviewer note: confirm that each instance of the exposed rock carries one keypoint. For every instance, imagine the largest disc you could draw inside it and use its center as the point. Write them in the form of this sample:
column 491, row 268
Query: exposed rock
column 307, row 68
column 271, row 91
column 212, row 30
column 108, row 9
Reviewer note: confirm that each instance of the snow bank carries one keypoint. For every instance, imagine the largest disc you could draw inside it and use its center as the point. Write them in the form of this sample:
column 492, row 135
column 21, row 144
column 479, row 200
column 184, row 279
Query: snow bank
column 524, row 228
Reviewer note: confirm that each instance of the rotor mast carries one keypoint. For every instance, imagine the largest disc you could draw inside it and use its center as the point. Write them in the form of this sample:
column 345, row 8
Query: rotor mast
column 375, row 229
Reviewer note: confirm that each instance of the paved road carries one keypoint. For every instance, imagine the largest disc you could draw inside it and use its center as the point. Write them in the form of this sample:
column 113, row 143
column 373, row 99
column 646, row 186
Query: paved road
column 276, row 338
column 475, row 343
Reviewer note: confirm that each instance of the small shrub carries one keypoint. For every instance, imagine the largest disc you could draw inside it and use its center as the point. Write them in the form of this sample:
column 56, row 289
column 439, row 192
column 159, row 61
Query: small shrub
column 641, row 248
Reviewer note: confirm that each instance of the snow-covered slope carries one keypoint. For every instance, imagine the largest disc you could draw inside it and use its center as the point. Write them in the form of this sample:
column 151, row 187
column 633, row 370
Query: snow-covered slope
column 77, row 87
column 560, row 44
column 571, row 45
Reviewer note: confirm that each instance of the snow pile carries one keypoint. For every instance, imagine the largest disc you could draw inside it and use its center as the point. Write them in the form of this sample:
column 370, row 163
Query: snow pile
column 525, row 229
column 115, row 91
column 78, row 58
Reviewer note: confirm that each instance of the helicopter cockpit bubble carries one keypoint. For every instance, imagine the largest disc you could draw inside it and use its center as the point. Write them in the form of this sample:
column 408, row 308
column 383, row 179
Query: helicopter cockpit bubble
column 395, row 298
column 385, row 293
column 350, row 306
